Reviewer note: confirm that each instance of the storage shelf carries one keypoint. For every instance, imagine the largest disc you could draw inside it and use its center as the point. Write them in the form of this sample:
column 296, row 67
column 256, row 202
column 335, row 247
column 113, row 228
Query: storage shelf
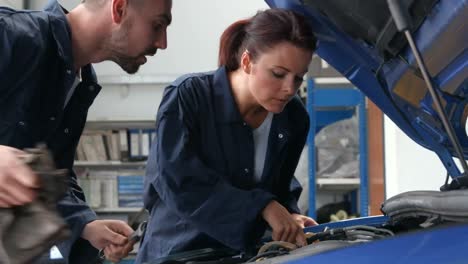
column 118, row 125
column 100, row 177
column 110, row 164
column 338, row 184
column 117, row 210
column 325, row 106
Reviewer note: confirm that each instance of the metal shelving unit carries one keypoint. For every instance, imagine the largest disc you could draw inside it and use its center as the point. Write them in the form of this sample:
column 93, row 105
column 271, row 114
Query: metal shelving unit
column 119, row 124
column 342, row 184
column 115, row 165
column 325, row 106
column 117, row 210
column 111, row 165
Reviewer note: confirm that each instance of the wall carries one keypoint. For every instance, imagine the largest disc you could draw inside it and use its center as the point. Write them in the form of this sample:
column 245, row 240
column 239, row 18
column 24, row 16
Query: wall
column 192, row 47
column 39, row 4
column 12, row 3
column 408, row 166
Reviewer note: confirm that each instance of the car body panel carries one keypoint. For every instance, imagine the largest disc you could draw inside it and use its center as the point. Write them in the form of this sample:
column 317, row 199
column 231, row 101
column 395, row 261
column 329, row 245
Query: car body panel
column 369, row 221
column 444, row 245
column 394, row 84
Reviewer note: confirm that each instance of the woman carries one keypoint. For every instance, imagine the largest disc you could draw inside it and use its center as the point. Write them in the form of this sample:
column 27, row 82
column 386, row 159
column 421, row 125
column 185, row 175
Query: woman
column 228, row 143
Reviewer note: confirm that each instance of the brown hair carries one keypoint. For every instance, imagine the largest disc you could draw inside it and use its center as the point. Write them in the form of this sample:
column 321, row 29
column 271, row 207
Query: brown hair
column 261, row 33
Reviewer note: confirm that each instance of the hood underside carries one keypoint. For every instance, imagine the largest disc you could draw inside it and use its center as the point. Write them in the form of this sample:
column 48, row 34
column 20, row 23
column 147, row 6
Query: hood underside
column 360, row 40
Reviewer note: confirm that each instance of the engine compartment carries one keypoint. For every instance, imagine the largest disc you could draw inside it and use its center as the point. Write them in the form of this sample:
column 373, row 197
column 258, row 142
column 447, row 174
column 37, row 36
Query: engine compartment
column 404, row 214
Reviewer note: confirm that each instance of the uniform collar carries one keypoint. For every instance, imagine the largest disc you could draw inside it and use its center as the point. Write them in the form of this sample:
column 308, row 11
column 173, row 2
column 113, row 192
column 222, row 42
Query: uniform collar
column 226, row 107
column 60, row 30
column 63, row 38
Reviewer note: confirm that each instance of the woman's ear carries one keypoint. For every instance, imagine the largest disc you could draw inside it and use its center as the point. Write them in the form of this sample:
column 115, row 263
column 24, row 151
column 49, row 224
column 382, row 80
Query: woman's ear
column 245, row 62
column 119, row 9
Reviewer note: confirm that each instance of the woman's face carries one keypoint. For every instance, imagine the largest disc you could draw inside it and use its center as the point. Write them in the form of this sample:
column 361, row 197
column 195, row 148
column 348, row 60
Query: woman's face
column 277, row 74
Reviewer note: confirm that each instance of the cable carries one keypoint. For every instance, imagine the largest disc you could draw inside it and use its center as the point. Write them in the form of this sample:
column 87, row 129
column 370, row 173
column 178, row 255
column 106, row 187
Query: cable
column 372, row 228
column 274, row 253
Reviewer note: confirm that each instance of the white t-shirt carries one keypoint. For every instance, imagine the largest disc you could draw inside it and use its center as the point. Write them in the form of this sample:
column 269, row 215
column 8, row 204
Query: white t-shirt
column 72, row 89
column 260, row 138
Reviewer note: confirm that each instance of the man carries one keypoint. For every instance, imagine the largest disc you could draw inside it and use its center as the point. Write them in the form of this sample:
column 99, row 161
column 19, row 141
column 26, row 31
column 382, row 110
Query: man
column 46, row 87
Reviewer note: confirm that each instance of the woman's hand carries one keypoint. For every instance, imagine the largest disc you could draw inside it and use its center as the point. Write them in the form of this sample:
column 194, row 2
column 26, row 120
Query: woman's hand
column 304, row 221
column 285, row 226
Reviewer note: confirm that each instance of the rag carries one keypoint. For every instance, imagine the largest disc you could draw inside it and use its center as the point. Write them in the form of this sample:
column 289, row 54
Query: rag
column 28, row 231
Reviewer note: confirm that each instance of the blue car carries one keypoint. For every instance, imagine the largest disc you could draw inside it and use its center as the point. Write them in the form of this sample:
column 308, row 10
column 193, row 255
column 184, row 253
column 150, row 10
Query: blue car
column 378, row 46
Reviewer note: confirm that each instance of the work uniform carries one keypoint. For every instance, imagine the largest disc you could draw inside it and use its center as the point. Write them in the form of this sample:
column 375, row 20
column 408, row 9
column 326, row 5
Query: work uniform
column 37, row 103
column 199, row 186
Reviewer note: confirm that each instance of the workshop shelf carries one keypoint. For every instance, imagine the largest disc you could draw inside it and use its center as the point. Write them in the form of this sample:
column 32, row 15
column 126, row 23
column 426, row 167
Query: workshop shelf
column 327, row 105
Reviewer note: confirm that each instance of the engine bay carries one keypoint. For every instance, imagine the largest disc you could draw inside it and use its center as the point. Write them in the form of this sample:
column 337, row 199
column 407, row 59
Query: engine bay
column 406, row 213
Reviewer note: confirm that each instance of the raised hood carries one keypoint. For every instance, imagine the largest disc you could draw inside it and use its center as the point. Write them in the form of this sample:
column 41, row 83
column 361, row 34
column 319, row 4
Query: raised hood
column 360, row 40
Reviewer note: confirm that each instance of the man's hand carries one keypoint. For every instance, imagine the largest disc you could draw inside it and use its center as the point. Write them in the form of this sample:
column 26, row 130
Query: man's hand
column 285, row 227
column 18, row 183
column 103, row 233
column 304, row 221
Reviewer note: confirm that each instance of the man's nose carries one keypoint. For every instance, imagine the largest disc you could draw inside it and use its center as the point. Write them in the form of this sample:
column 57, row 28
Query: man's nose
column 161, row 41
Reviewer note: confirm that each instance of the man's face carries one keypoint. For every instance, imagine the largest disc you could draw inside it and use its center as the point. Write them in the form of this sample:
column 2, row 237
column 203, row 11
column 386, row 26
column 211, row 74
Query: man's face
column 142, row 31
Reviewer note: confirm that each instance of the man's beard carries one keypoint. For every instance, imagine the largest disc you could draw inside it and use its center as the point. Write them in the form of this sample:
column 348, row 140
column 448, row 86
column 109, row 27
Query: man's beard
column 129, row 65
column 119, row 50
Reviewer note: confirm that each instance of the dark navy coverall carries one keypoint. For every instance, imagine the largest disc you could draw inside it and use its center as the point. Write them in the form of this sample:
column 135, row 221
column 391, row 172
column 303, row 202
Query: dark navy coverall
column 36, row 73
column 200, row 188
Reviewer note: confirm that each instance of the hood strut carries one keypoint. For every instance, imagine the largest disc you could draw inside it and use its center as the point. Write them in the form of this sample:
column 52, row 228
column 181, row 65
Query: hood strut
column 400, row 17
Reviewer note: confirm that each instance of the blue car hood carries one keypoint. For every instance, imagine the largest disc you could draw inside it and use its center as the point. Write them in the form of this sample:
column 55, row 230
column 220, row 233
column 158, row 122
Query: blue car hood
column 359, row 39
